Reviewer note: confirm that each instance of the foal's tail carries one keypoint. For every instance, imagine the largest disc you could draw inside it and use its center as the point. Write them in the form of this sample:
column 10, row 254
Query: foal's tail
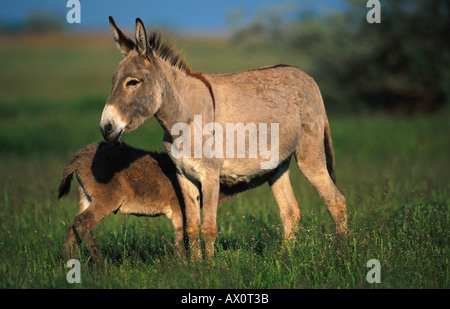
column 64, row 186
column 77, row 164
column 329, row 152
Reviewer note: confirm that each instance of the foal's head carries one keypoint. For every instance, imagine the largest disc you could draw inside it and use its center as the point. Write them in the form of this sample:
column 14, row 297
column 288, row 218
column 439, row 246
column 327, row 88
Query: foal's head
column 136, row 92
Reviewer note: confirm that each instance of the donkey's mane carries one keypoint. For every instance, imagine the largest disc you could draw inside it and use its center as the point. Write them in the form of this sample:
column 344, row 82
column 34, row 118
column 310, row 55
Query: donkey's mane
column 166, row 51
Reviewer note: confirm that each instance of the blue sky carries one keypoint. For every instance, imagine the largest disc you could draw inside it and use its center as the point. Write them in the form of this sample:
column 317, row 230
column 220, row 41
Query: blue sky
column 180, row 14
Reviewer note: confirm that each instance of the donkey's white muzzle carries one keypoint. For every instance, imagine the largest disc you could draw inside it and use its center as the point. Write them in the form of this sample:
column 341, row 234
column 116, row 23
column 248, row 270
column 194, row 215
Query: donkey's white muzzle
column 111, row 124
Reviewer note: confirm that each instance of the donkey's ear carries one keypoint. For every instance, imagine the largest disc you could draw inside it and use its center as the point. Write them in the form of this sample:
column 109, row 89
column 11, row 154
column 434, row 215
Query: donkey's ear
column 142, row 45
column 123, row 43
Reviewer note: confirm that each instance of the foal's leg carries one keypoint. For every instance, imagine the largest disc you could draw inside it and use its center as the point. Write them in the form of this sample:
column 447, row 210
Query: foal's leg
column 284, row 196
column 191, row 196
column 72, row 240
column 178, row 226
column 311, row 160
column 82, row 228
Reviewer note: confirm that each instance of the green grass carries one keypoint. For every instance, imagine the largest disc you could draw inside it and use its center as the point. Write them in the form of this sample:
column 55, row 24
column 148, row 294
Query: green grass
column 392, row 170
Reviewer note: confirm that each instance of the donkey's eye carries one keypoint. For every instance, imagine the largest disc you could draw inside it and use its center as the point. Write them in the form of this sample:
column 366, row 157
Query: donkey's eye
column 132, row 83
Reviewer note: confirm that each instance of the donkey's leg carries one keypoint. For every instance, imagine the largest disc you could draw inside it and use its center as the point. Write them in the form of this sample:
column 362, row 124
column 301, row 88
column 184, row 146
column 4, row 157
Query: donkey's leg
column 311, row 160
column 210, row 199
column 284, row 196
column 191, row 196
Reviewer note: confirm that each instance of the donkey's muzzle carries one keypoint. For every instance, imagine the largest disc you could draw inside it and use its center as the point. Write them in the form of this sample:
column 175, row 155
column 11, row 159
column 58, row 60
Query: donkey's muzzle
column 110, row 134
column 111, row 125
column 107, row 129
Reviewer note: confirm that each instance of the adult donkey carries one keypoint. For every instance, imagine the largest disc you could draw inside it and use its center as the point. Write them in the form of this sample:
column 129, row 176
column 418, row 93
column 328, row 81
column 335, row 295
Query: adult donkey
column 153, row 80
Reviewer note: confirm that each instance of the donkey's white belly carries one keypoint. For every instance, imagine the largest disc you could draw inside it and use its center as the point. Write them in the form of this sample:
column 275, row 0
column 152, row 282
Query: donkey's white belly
column 234, row 169
column 240, row 169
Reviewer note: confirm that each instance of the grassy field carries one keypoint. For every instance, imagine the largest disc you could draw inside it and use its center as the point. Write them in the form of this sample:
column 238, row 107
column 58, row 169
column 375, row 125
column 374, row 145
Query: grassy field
column 394, row 172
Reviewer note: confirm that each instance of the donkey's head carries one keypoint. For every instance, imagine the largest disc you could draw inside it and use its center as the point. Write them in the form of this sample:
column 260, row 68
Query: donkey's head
column 136, row 90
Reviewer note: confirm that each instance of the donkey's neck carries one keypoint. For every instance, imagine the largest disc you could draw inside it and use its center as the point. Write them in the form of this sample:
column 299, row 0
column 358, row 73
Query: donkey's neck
column 183, row 96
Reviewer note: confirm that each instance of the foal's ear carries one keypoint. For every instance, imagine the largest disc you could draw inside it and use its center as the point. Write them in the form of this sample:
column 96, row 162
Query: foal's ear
column 123, row 43
column 141, row 39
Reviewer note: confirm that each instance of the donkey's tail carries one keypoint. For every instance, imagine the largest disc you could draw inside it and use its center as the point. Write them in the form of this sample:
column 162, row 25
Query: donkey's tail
column 329, row 152
column 69, row 169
